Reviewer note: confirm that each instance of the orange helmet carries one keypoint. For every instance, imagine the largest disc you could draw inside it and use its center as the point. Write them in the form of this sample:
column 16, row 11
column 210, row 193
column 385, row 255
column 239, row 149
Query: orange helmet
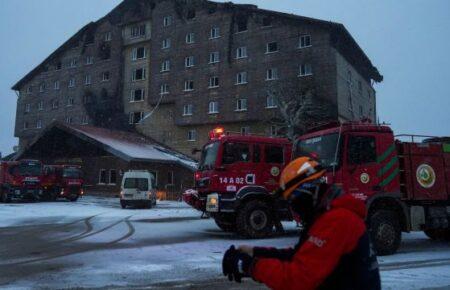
column 298, row 172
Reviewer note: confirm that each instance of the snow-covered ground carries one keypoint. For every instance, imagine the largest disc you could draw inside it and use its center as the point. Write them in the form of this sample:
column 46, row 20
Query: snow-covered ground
column 94, row 243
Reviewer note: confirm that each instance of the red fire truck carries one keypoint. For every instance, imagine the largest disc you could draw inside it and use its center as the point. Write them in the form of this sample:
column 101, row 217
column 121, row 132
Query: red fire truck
column 20, row 180
column 405, row 183
column 236, row 176
column 63, row 181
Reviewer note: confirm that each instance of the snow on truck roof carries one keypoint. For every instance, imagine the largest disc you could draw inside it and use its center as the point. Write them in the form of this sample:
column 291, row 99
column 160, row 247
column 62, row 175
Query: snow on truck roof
column 126, row 145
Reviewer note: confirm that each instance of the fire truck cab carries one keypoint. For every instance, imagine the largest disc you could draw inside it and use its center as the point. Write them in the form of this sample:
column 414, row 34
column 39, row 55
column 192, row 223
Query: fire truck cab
column 63, row 181
column 405, row 184
column 20, row 180
column 234, row 181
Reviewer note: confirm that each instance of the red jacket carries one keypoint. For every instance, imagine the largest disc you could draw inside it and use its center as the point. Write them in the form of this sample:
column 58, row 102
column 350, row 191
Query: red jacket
column 336, row 240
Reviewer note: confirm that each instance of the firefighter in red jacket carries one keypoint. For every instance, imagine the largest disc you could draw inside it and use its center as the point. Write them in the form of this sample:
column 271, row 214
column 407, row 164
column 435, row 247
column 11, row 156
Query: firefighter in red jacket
column 334, row 250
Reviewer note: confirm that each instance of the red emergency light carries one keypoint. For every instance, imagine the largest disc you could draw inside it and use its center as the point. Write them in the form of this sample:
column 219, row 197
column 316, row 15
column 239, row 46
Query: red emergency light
column 216, row 133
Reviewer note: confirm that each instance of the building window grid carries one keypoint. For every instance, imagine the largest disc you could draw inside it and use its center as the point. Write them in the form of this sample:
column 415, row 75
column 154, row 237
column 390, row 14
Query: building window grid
column 272, row 47
column 188, row 85
column 137, row 95
column 192, row 135
column 138, row 31
column 165, row 66
column 271, row 102
column 190, row 38
column 167, row 21
column 215, row 33
column 89, row 60
column 214, row 57
column 139, row 74
column 166, row 43
column 164, row 90
column 139, row 53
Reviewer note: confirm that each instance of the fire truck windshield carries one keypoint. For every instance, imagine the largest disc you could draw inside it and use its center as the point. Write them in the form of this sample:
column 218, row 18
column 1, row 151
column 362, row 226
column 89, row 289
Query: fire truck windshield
column 28, row 169
column 74, row 173
column 321, row 147
column 209, row 156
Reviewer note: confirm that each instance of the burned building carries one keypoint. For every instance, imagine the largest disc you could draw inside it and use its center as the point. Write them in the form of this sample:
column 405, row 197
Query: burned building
column 175, row 69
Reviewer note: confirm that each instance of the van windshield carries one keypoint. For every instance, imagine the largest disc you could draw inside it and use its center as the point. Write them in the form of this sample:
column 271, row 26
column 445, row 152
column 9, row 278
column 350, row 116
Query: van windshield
column 324, row 147
column 209, row 156
column 136, row 183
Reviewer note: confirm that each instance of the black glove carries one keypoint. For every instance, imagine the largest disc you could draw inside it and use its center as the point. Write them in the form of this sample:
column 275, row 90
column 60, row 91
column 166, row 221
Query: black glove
column 236, row 264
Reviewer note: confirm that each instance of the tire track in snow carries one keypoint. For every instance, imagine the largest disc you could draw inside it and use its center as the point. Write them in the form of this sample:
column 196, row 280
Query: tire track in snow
column 130, row 232
column 414, row 264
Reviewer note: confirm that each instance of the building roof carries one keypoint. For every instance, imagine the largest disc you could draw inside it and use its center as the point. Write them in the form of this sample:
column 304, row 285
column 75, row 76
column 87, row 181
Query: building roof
column 128, row 146
column 342, row 40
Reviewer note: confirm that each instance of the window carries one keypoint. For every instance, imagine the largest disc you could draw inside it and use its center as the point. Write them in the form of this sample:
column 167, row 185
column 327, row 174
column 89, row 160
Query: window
column 167, row 21
column 361, row 149
column 56, row 85
column 84, row 120
column 272, row 74
column 256, row 153
column 192, row 135
column 350, row 102
column 213, row 82
column 188, row 85
column 138, row 53
column 190, row 14
column 273, row 131
column 102, row 176
column 73, row 63
column 270, row 102
column 138, row 74
column 274, row 154
column 190, row 38
column 30, row 90
column 87, row 99
column 235, row 152
column 87, row 80
column 69, row 120
column 272, row 47
column 39, row 124
column 241, row 105
column 215, row 32
column 166, row 43
column 189, row 61
column 241, row 52
column 138, row 31
column 136, row 117
column 267, row 21
column 170, row 178
column 187, row 110
column 25, row 125
column 89, row 60
column 55, row 104
column 71, row 83
column 361, row 111
column 349, row 77
column 305, row 70
column 242, row 24
column 165, row 66
column 360, row 87
column 42, row 87
column 105, row 76
column 305, row 41
column 112, row 177
column 241, row 78
column 213, row 107
column 40, row 106
column 245, row 131
column 214, row 57
column 58, row 65
column 70, row 102
column 27, row 108
column 107, row 36
column 137, row 95
column 164, row 89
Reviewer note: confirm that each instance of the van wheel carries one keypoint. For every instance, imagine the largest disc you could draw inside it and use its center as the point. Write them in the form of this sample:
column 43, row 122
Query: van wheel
column 149, row 204
column 123, row 204
column 254, row 220
column 73, row 197
column 385, row 232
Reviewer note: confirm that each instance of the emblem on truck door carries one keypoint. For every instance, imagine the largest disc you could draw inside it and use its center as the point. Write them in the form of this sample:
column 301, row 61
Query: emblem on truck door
column 365, row 178
column 275, row 171
column 426, row 176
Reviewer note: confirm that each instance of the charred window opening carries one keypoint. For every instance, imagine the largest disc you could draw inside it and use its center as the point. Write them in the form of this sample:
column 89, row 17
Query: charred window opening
column 104, row 51
column 242, row 23
column 190, row 14
column 89, row 38
column 267, row 21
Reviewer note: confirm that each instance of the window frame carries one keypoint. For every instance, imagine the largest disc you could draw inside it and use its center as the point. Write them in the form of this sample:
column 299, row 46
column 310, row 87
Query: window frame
column 304, row 71
column 302, row 39
column 273, row 105
column 143, row 74
column 213, row 107
column 239, row 105
column 241, row 52
column 188, row 110
column 242, row 78
column 268, row 51
column 192, row 135
column 214, row 57
column 373, row 153
column 214, row 82
column 188, row 86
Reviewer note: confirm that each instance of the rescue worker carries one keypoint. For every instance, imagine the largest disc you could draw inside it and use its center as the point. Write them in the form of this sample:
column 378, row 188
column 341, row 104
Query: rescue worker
column 334, row 250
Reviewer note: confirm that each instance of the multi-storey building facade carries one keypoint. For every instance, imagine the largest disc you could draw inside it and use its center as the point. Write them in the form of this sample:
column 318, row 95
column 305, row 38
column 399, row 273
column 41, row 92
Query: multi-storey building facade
column 175, row 69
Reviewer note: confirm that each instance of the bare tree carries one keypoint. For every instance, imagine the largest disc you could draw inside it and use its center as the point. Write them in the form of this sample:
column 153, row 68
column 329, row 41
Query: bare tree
column 299, row 108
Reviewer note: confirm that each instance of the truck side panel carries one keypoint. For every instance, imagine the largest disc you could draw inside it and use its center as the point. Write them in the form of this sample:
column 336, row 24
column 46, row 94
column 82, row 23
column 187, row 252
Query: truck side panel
column 447, row 169
column 427, row 172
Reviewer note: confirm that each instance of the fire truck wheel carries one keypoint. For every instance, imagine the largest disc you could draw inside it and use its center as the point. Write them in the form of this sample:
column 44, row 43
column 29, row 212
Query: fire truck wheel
column 73, row 197
column 438, row 234
column 226, row 226
column 123, row 204
column 4, row 197
column 254, row 220
column 385, row 232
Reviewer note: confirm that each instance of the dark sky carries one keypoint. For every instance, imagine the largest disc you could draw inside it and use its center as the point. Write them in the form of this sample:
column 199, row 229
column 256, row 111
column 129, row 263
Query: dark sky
column 408, row 40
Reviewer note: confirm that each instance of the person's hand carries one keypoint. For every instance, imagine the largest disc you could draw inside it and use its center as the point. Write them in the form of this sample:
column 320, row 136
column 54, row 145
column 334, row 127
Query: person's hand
column 246, row 250
column 236, row 264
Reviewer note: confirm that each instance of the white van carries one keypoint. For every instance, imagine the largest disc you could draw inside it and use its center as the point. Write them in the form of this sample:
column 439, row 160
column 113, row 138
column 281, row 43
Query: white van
column 138, row 189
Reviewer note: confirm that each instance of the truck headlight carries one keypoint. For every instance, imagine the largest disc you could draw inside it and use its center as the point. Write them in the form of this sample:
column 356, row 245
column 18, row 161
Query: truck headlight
column 212, row 203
